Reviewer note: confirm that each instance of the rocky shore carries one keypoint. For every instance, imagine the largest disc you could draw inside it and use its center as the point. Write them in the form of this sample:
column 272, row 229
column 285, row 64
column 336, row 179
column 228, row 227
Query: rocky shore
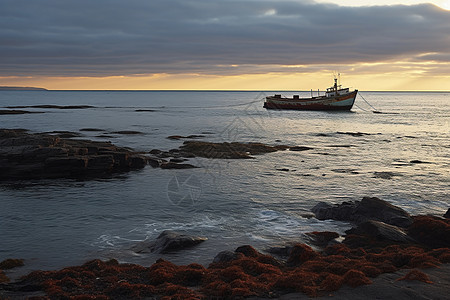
column 25, row 155
column 385, row 247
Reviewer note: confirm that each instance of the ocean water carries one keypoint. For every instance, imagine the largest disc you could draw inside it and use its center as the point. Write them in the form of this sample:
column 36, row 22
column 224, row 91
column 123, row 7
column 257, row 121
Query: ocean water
column 57, row 223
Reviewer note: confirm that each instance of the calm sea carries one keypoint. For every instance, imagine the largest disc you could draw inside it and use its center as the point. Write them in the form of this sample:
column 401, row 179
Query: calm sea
column 58, row 223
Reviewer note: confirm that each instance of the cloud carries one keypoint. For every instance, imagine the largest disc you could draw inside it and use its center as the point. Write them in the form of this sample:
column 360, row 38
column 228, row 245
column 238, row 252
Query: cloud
column 100, row 38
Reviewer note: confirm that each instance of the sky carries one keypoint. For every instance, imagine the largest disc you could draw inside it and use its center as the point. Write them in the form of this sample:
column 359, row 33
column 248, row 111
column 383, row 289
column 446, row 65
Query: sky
column 225, row 44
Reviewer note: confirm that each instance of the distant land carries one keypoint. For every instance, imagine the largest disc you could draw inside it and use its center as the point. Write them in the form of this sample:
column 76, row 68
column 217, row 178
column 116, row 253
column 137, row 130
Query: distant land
column 21, row 88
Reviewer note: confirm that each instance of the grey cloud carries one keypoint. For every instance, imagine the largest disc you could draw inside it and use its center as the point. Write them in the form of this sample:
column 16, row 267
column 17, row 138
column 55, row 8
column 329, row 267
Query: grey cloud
column 96, row 38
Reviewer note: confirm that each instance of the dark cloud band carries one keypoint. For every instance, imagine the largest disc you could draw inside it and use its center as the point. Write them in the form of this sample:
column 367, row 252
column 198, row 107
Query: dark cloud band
column 97, row 38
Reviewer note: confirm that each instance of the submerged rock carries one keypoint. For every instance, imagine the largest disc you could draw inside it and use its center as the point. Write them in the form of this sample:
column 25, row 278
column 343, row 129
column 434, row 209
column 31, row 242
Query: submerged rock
column 36, row 156
column 18, row 112
column 369, row 208
column 169, row 241
column 234, row 150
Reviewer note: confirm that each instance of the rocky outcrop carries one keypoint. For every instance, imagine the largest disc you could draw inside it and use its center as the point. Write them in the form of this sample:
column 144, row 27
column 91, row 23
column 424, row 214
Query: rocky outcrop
column 225, row 150
column 381, row 231
column 369, row 208
column 25, row 155
column 169, row 241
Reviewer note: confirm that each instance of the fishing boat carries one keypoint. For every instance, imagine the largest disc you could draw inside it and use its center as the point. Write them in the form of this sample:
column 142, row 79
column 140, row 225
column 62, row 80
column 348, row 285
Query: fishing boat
column 335, row 98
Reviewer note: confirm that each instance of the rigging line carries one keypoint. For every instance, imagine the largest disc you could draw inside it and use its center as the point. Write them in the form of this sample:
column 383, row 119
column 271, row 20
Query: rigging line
column 374, row 109
column 363, row 109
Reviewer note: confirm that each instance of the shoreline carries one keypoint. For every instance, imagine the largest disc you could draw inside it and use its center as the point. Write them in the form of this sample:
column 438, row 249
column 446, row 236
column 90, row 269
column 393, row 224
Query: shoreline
column 374, row 260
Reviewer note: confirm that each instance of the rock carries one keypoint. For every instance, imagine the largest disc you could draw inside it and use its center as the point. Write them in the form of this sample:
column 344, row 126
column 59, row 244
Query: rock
column 11, row 264
column 154, row 162
column 169, row 241
column 18, row 112
column 129, row 132
column 179, row 137
column 91, row 129
column 144, row 110
column 280, row 251
column 172, row 165
column 300, row 148
column 177, row 160
column 384, row 175
column 356, row 134
column 447, row 214
column 36, row 156
column 322, row 238
column 226, row 256
column 433, row 232
column 226, row 150
column 416, row 161
column 54, row 106
column 381, row 231
column 364, row 210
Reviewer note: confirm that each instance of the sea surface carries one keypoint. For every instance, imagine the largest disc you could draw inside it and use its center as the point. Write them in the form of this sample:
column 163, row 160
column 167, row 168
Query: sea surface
column 402, row 157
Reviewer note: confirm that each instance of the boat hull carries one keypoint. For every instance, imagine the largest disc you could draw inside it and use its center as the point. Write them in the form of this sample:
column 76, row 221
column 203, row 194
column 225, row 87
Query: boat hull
column 343, row 102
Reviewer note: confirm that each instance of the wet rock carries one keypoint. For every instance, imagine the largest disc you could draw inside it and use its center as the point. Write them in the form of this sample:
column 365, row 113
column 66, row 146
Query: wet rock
column 11, row 263
column 321, row 238
column 381, row 231
column 179, row 137
column 129, row 132
column 226, row 256
column 54, row 106
column 177, row 160
column 434, row 232
column 416, row 161
column 300, row 148
column 154, row 162
column 64, row 134
column 144, row 110
column 18, row 112
column 36, row 156
column 447, row 214
column 356, row 134
column 92, row 129
column 234, row 150
column 364, row 210
column 169, row 241
column 384, row 175
column 172, row 165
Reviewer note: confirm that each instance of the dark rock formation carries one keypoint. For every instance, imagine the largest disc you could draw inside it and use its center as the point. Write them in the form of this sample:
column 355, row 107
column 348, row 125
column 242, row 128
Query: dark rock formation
column 434, row 232
column 321, row 238
column 447, row 214
column 356, row 134
column 300, row 148
column 18, row 112
column 364, row 210
column 179, row 137
column 381, row 231
column 11, row 263
column 54, row 106
column 129, row 132
column 174, row 165
column 91, row 129
column 36, row 156
column 169, row 241
column 224, row 150
column 226, row 256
